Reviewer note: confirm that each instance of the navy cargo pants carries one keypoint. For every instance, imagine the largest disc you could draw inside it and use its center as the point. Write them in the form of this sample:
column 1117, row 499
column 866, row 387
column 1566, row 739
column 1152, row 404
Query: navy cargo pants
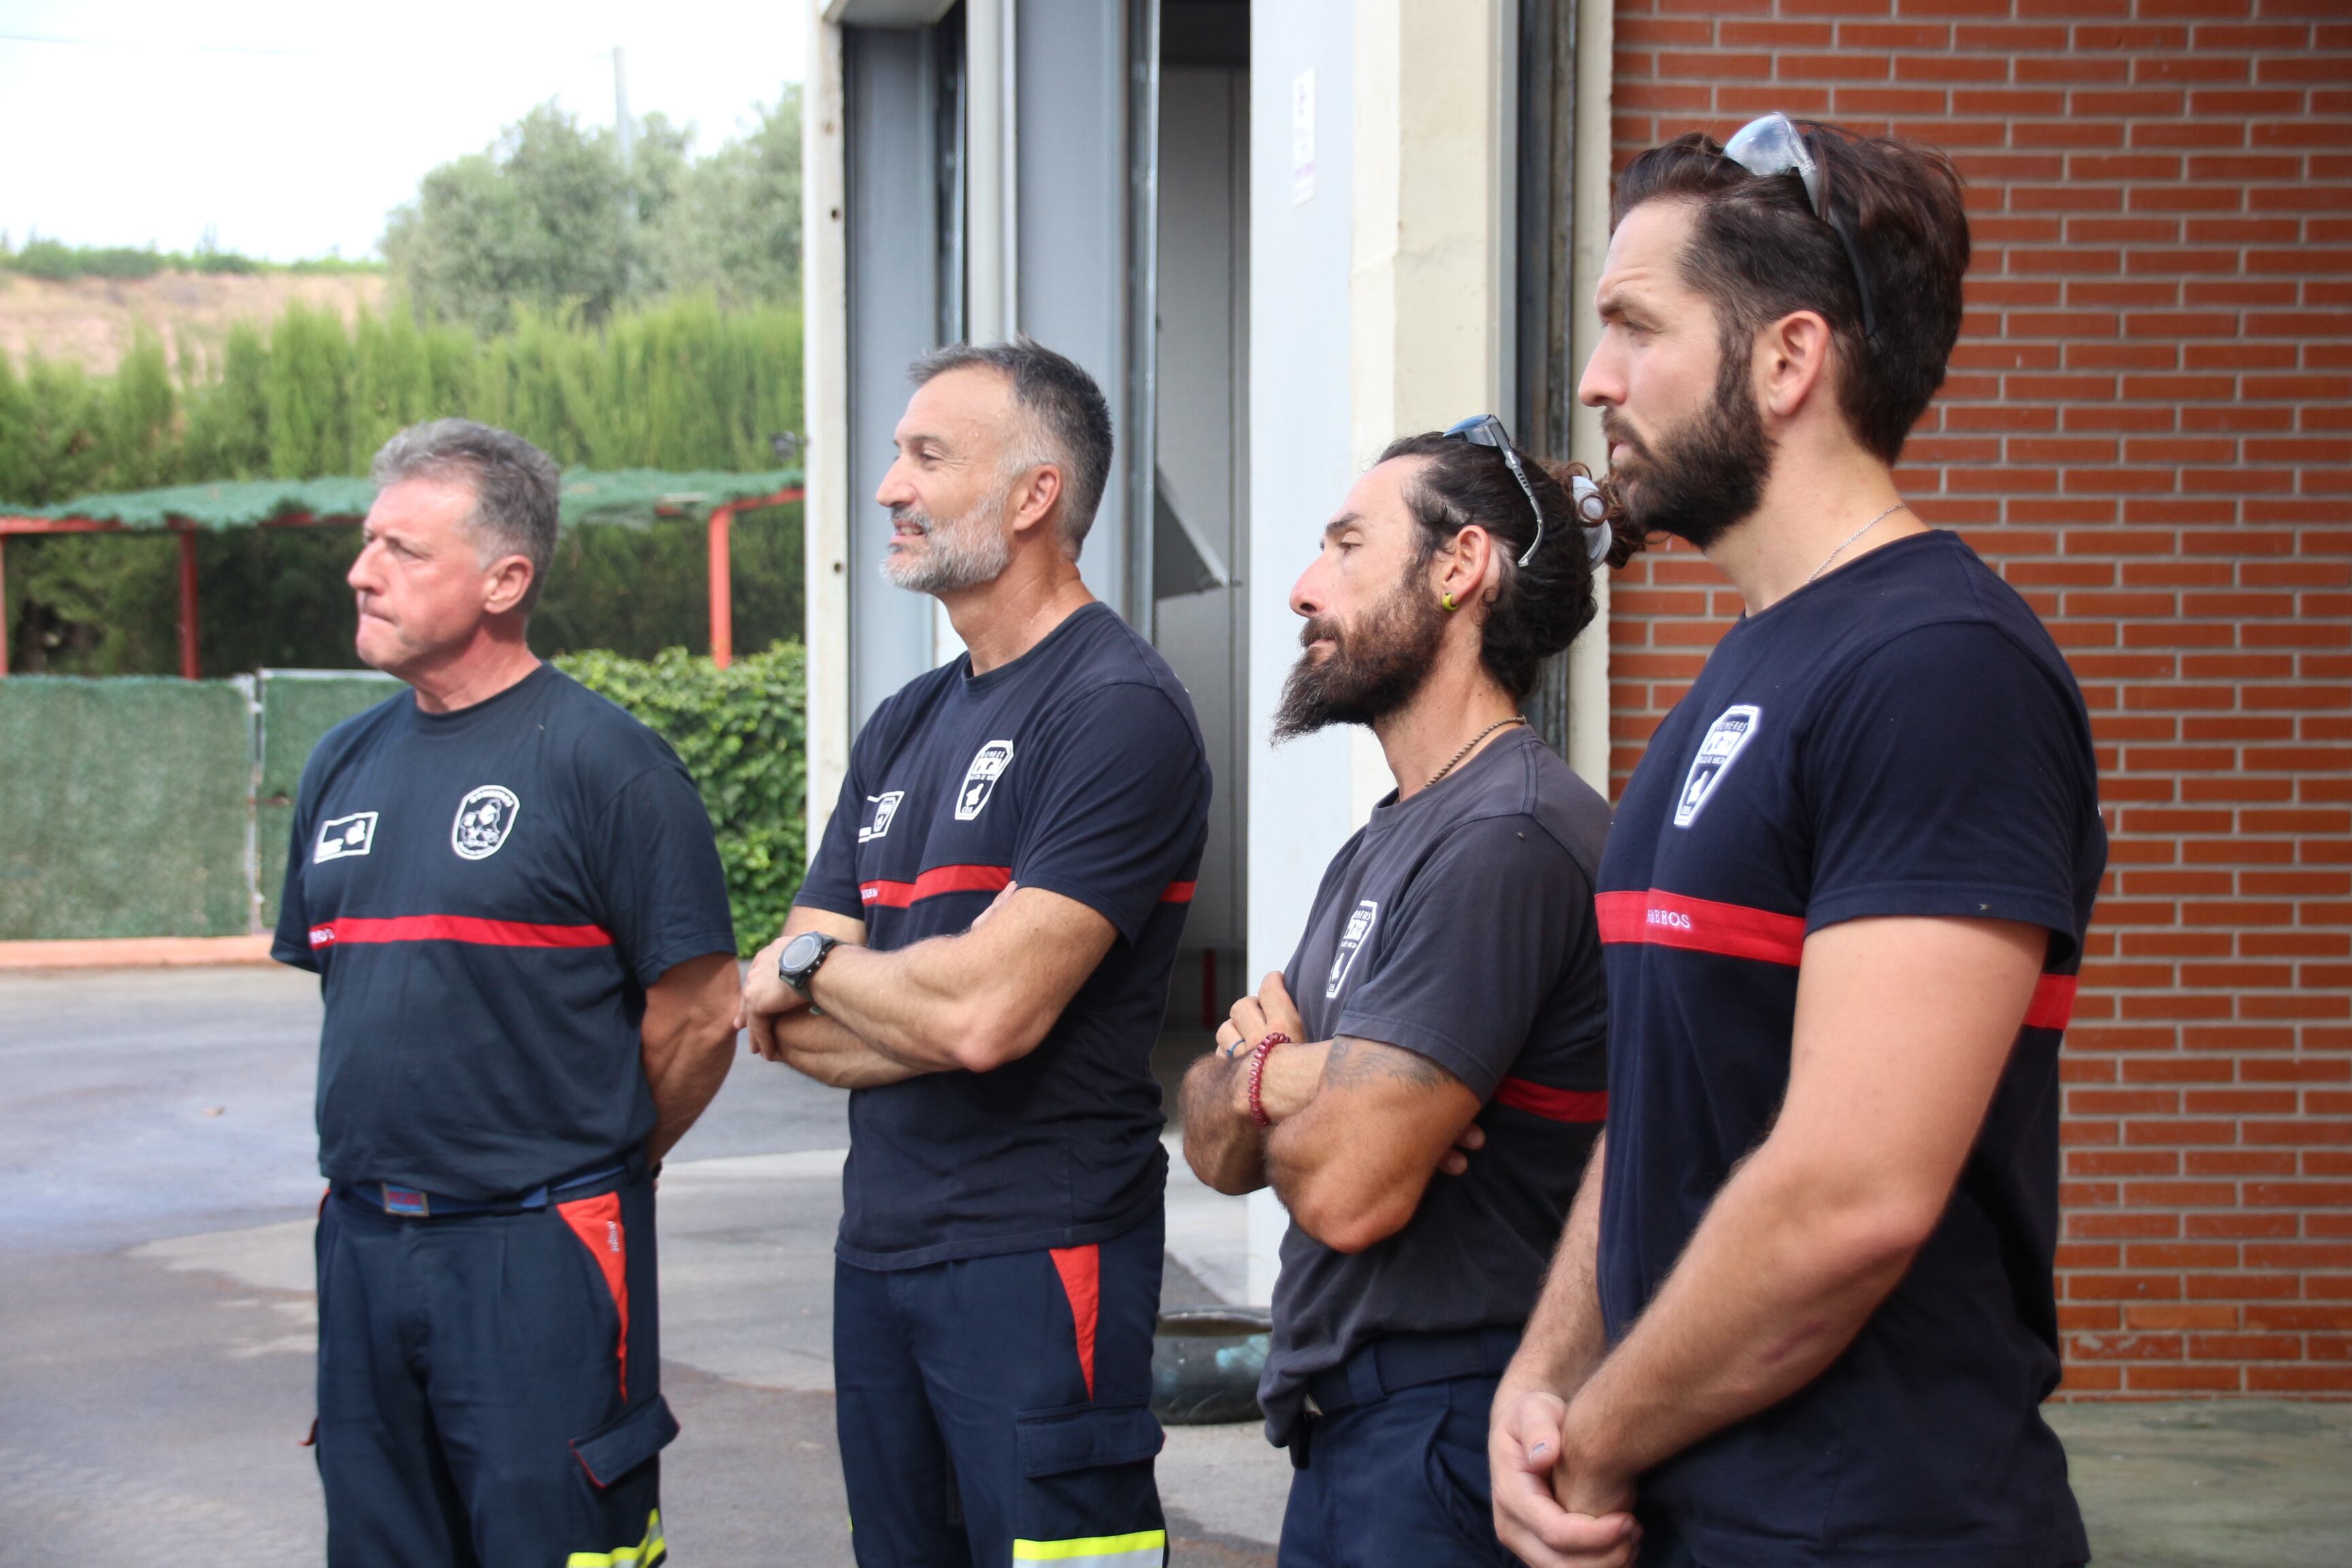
column 998, row 1410
column 489, row 1383
column 1391, row 1472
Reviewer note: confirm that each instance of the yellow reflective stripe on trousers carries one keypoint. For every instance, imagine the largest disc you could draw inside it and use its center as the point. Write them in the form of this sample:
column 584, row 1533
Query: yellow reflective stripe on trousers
column 1143, row 1549
column 644, row 1554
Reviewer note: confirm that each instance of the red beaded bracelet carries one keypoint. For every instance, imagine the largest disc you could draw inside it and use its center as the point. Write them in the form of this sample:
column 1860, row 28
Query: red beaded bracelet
column 1257, row 1075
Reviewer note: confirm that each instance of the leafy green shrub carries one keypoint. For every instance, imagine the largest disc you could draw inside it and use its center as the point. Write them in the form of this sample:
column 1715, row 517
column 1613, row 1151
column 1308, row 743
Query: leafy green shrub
column 742, row 734
column 49, row 259
column 63, row 263
column 60, row 263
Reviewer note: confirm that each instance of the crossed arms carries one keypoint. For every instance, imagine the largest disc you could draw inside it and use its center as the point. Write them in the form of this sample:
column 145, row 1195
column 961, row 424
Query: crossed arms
column 1359, row 1129
column 967, row 1003
column 1903, row 1026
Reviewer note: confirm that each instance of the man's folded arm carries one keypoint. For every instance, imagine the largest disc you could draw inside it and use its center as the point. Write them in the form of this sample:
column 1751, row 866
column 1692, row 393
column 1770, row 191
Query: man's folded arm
column 1352, row 1165
column 810, row 1043
column 971, row 1001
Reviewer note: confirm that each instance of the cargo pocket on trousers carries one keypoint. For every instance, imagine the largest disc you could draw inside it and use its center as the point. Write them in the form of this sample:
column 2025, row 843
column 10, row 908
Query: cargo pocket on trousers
column 1088, row 1499
column 1084, row 1437
column 618, row 1447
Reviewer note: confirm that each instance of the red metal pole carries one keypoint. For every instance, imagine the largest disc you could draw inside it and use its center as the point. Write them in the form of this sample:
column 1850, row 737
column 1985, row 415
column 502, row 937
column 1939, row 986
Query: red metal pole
column 722, row 586
column 187, row 604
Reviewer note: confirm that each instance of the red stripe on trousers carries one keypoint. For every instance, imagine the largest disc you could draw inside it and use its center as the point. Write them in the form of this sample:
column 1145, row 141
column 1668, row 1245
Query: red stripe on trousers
column 1702, row 925
column 1081, row 1272
column 456, row 927
column 970, row 879
column 1553, row 1104
column 597, row 1223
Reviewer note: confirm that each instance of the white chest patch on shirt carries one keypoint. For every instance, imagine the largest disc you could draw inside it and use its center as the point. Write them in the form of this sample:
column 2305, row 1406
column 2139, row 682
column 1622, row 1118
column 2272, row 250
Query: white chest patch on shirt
column 340, row 837
column 881, row 809
column 988, row 766
column 1361, row 921
column 485, row 817
column 1717, row 750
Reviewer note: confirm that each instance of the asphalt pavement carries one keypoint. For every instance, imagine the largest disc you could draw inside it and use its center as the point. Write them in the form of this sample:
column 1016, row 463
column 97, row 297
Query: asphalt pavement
column 157, row 1183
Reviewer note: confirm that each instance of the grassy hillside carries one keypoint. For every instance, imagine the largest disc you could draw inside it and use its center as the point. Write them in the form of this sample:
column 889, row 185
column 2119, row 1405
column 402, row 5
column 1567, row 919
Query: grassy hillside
column 92, row 322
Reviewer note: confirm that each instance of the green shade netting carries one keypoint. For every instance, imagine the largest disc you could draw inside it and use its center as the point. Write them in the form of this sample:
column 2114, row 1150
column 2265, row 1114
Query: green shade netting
column 634, row 496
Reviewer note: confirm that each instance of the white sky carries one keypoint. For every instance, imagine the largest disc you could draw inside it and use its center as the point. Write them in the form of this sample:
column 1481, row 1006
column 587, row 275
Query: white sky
column 292, row 129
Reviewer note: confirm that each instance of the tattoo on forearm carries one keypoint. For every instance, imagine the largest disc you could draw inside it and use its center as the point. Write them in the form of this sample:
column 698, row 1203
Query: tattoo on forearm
column 1355, row 1062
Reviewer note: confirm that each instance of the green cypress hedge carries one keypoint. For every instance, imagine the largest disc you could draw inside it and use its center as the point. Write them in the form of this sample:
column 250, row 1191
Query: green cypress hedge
column 681, row 385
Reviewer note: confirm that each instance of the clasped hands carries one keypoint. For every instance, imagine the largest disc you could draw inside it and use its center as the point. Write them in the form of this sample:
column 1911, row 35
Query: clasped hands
column 1553, row 1507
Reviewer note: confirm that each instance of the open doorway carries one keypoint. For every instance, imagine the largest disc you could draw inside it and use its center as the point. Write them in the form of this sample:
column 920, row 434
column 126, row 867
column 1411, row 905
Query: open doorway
column 1199, row 520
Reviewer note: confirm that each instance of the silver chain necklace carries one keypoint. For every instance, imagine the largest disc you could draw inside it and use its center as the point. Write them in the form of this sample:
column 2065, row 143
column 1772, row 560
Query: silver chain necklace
column 1465, row 751
column 1857, row 533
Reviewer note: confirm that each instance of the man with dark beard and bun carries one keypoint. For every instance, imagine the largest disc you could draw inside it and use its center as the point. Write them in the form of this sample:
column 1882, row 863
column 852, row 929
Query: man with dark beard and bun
column 1450, row 970
column 981, row 954
column 1804, row 1313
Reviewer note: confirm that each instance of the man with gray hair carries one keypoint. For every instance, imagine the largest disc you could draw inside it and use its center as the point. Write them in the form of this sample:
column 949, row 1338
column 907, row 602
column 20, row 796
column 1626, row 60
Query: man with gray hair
column 511, row 893
column 981, row 954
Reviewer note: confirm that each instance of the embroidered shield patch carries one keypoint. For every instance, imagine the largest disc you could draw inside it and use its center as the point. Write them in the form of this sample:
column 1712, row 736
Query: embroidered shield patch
column 485, row 817
column 1716, row 752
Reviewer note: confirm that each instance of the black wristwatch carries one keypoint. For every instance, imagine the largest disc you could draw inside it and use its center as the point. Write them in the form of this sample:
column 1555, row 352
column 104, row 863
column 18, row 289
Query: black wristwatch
column 803, row 957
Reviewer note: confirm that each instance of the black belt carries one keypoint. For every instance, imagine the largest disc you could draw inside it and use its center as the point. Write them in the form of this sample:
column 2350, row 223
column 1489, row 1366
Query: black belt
column 1410, row 1361
column 413, row 1202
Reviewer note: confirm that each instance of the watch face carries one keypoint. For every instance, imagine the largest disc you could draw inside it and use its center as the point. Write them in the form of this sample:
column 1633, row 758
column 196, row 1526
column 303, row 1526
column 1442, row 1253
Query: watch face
column 800, row 952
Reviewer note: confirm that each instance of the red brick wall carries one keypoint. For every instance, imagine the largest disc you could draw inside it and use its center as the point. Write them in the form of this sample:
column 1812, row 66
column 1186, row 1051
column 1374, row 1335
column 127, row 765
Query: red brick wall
column 2148, row 430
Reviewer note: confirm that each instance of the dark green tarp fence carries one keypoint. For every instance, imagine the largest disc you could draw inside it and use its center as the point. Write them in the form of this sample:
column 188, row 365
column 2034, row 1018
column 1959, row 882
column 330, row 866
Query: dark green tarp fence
column 137, row 807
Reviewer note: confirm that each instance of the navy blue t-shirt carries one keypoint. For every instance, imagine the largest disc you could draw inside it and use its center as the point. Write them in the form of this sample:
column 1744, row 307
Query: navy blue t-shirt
column 1900, row 737
column 1457, row 925
column 1077, row 768
column 486, row 895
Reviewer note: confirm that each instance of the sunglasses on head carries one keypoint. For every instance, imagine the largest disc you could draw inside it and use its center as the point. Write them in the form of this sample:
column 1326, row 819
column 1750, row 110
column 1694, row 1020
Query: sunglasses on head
column 1485, row 430
column 1771, row 146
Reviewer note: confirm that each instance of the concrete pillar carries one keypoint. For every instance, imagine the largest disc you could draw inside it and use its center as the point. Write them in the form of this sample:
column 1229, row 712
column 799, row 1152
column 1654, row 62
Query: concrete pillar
column 1381, row 298
column 1588, row 656
column 826, row 373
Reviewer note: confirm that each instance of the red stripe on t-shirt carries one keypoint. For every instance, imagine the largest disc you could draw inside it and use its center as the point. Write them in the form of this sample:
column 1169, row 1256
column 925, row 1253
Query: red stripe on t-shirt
column 455, row 928
column 937, row 880
column 969, row 879
column 1554, row 1104
column 1701, row 925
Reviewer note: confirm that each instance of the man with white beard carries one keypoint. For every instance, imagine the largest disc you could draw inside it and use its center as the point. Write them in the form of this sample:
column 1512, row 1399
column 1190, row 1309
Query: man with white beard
column 981, row 954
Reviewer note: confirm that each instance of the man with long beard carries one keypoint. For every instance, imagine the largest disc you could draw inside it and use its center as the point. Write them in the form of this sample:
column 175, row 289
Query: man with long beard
column 1450, row 970
column 1803, row 1313
column 981, row 954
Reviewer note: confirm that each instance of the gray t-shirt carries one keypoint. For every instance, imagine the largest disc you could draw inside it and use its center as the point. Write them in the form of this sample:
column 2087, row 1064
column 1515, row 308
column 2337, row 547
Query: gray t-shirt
column 1458, row 925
